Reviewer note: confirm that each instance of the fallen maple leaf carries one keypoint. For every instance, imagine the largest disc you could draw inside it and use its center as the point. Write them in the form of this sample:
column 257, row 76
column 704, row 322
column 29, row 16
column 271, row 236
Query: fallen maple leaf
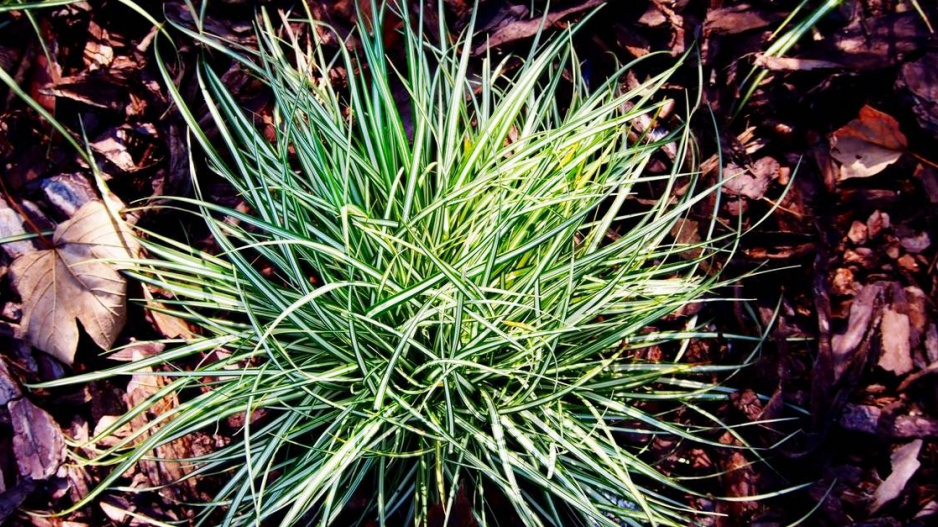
column 868, row 144
column 76, row 280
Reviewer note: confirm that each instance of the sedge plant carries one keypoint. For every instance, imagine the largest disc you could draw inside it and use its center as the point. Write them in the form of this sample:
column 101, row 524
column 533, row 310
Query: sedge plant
column 435, row 298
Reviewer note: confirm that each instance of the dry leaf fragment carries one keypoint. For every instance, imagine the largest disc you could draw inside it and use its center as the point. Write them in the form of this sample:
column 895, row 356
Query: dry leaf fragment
column 168, row 325
column 897, row 354
column 171, row 468
column 794, row 64
column 75, row 280
column 113, row 147
column 732, row 20
column 868, row 144
column 522, row 29
column 904, row 465
column 753, row 182
column 37, row 440
column 863, row 312
column 686, row 232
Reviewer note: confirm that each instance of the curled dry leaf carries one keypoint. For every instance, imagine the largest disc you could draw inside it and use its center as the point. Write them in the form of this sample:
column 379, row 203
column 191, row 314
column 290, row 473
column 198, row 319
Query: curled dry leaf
column 75, row 281
column 868, row 144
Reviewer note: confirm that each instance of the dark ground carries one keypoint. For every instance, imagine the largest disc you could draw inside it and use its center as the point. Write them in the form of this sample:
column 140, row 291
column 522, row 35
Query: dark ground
column 851, row 113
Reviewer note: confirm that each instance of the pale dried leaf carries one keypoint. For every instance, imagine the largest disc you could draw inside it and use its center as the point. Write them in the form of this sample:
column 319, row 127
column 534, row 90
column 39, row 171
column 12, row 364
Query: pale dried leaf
column 75, row 281
column 795, row 64
column 752, row 182
column 897, row 354
column 904, row 465
column 868, row 144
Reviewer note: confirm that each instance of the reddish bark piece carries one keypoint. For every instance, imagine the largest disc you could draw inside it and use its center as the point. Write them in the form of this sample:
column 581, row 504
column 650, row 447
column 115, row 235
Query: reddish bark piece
column 858, row 233
column 877, row 223
column 916, row 244
column 12, row 224
column 862, row 318
column 9, row 389
column 868, row 144
column 37, row 440
column 919, row 80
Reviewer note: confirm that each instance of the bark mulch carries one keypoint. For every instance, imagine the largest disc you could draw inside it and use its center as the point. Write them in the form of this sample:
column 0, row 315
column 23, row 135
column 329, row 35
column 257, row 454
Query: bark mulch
column 839, row 141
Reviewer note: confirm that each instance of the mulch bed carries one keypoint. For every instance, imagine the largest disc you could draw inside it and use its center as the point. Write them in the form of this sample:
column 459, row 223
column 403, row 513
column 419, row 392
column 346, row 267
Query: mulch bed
column 839, row 142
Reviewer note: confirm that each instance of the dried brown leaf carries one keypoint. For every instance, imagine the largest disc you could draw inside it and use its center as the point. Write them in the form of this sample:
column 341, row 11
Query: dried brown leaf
column 168, row 325
column 522, row 29
column 868, row 144
column 75, row 281
column 740, row 18
column 752, row 182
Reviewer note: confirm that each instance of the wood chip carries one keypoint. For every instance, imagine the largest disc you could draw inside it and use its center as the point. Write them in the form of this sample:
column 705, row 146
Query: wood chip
column 904, row 465
column 896, row 356
column 37, row 441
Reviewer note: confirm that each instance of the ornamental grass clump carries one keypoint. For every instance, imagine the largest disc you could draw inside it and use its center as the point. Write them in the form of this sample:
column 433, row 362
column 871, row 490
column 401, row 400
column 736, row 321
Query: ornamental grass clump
column 433, row 304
